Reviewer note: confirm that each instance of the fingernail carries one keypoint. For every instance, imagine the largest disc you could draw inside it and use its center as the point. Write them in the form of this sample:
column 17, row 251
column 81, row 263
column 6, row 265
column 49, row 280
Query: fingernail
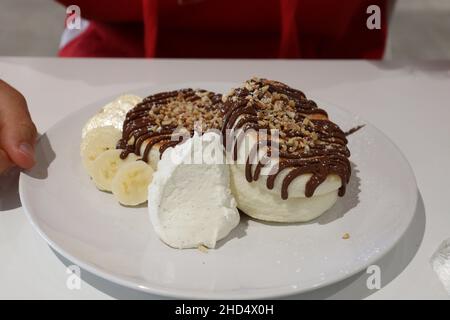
column 27, row 149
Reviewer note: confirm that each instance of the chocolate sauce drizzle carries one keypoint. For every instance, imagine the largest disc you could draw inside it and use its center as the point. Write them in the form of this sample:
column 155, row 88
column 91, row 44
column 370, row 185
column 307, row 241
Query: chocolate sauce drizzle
column 354, row 129
column 155, row 119
column 260, row 104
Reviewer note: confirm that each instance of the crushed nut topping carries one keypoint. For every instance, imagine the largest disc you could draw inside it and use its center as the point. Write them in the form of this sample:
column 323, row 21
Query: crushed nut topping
column 186, row 108
column 278, row 109
column 159, row 115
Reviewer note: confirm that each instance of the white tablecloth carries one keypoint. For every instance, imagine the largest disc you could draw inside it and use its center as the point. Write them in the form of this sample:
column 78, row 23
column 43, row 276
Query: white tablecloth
column 410, row 102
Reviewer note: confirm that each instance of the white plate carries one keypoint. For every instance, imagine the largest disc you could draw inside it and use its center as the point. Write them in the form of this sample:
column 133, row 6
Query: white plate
column 257, row 260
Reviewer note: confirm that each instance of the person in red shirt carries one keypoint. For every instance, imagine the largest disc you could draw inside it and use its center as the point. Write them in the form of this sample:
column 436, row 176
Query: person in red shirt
column 228, row 29
column 201, row 29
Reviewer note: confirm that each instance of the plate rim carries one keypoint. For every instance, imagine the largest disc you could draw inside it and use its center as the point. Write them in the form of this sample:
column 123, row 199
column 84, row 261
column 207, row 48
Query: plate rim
column 277, row 292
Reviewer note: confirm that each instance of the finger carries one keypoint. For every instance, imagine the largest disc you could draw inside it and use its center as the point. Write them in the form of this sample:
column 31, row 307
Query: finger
column 5, row 162
column 17, row 130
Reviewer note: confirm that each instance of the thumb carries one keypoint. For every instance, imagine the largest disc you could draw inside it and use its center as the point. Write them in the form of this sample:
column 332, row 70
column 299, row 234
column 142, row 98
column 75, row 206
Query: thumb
column 17, row 131
column 19, row 144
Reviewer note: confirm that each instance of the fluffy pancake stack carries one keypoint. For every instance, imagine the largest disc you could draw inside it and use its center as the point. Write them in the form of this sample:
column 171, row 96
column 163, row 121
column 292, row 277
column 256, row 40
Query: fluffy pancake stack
column 152, row 126
column 311, row 166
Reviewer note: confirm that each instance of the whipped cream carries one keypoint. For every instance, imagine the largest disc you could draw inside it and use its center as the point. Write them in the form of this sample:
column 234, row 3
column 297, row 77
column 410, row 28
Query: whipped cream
column 190, row 202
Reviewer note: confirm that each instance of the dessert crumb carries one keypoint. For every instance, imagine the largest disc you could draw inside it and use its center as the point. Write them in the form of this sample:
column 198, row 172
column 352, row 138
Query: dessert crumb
column 202, row 248
column 346, row 236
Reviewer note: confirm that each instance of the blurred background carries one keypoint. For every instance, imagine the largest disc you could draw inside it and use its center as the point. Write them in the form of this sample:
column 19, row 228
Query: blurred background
column 419, row 29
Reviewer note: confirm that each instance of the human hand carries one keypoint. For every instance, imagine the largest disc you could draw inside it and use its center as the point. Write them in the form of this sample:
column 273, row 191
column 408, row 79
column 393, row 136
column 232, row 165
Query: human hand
column 17, row 130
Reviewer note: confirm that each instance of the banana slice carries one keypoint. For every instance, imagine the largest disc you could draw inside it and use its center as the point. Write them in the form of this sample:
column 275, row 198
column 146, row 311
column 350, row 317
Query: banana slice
column 130, row 184
column 97, row 141
column 113, row 114
column 106, row 166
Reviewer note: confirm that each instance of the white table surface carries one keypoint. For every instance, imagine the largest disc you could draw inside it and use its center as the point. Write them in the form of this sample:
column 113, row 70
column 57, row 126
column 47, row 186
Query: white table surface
column 410, row 102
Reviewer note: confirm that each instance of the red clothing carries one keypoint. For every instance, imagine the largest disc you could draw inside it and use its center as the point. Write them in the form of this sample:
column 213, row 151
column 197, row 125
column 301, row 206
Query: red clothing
column 228, row 29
